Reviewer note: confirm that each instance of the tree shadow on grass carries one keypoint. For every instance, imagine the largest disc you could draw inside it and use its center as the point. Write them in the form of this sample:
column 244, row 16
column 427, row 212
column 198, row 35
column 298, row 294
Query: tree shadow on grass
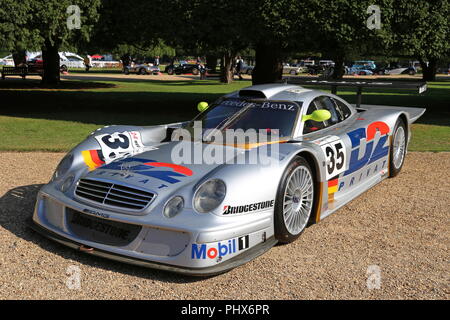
column 112, row 107
column 16, row 208
column 180, row 80
column 142, row 107
column 32, row 84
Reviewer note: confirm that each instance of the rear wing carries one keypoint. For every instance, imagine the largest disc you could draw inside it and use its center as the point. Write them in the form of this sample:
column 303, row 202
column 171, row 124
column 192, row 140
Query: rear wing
column 419, row 87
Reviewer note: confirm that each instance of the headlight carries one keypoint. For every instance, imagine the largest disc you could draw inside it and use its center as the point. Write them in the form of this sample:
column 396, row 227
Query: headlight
column 173, row 207
column 209, row 195
column 67, row 183
column 63, row 166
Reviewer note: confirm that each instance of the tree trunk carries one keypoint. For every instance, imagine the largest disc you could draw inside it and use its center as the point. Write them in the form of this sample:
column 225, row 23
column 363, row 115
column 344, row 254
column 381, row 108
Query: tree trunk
column 226, row 68
column 20, row 58
column 268, row 64
column 50, row 58
column 211, row 63
column 339, row 70
column 428, row 71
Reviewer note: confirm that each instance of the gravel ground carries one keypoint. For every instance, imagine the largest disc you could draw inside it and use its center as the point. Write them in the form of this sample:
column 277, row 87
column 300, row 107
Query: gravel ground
column 401, row 226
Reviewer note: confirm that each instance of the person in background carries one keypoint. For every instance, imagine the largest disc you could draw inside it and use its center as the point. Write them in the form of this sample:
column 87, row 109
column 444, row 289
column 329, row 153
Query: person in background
column 88, row 62
column 126, row 60
column 157, row 61
column 239, row 66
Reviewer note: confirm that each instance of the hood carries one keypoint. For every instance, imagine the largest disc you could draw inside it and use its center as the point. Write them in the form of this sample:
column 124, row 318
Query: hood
column 167, row 167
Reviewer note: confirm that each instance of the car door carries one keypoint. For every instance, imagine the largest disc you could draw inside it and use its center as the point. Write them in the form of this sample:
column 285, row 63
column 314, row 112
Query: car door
column 333, row 141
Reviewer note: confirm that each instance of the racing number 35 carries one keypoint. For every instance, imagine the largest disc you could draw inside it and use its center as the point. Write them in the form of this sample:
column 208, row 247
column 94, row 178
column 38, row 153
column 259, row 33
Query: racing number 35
column 335, row 157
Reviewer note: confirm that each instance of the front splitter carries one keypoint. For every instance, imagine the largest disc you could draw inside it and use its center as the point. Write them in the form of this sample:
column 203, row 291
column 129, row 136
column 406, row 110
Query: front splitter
column 241, row 259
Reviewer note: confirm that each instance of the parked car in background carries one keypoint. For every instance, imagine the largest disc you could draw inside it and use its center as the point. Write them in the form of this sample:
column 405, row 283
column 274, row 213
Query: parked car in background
column 7, row 61
column 326, row 63
column 67, row 60
column 141, row 68
column 307, row 62
column 397, row 68
column 183, row 68
column 362, row 68
column 314, row 69
column 246, row 69
column 293, row 69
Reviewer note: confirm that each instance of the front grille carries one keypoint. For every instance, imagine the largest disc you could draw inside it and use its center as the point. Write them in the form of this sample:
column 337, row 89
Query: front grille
column 113, row 194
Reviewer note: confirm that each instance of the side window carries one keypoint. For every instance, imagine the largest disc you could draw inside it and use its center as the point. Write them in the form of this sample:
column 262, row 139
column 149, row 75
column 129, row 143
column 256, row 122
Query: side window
column 339, row 112
column 342, row 109
column 325, row 102
column 311, row 126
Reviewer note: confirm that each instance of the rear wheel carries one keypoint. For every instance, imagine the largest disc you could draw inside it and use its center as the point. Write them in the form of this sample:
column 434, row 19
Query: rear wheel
column 295, row 201
column 398, row 149
column 170, row 71
column 195, row 71
column 142, row 71
column 126, row 71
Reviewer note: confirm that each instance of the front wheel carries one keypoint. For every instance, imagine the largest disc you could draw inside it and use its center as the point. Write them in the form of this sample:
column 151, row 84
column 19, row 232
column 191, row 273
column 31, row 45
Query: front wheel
column 294, row 202
column 398, row 149
column 195, row 71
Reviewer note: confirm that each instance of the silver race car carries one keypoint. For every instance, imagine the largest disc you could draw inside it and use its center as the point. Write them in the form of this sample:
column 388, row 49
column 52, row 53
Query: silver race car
column 171, row 197
column 142, row 68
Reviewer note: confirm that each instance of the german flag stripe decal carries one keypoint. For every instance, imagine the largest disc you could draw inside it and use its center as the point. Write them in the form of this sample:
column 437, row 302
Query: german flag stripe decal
column 92, row 158
column 332, row 186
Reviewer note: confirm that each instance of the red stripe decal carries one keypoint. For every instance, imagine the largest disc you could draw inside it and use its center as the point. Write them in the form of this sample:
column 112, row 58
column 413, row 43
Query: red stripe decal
column 177, row 168
column 332, row 183
column 95, row 157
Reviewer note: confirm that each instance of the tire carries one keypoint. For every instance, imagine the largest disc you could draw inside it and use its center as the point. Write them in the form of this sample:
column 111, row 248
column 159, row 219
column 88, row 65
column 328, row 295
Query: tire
column 397, row 151
column 142, row 71
column 411, row 72
column 170, row 71
column 289, row 225
column 126, row 71
column 195, row 71
column 63, row 68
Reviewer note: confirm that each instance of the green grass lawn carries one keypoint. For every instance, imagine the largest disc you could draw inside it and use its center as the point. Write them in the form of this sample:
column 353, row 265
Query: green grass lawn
column 34, row 118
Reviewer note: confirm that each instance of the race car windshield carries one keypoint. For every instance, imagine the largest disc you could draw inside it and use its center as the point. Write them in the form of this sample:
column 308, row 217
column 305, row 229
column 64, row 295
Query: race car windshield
column 267, row 115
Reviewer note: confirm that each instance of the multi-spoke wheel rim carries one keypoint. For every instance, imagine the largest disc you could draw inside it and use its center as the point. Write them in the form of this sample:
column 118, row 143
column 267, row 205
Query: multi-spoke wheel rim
column 298, row 200
column 399, row 147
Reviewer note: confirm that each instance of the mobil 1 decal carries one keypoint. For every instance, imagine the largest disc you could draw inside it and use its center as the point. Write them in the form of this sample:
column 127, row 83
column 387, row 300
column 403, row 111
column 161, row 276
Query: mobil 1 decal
column 243, row 242
column 335, row 155
column 219, row 249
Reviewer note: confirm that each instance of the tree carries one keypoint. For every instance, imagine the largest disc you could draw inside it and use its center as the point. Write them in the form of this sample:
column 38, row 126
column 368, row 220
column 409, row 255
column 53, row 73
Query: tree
column 342, row 29
column 48, row 25
column 14, row 36
column 422, row 30
column 273, row 27
column 213, row 27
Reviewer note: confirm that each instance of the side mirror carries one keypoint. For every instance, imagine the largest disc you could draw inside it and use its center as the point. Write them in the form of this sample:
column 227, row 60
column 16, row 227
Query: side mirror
column 202, row 106
column 318, row 116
